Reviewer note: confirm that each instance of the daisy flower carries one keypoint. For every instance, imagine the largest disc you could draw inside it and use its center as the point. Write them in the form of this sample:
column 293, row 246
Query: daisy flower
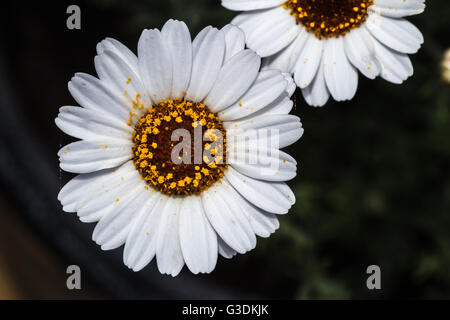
column 160, row 206
column 325, row 42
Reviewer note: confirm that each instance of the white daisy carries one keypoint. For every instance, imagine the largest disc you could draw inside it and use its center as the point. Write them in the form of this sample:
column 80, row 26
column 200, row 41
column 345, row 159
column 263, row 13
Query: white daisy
column 130, row 184
column 324, row 42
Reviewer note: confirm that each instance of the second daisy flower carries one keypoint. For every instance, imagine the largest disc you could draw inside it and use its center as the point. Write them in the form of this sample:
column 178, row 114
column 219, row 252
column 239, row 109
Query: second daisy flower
column 324, row 42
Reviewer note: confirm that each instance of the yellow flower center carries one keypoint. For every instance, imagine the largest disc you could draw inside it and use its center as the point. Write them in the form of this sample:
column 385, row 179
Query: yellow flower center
column 329, row 18
column 179, row 147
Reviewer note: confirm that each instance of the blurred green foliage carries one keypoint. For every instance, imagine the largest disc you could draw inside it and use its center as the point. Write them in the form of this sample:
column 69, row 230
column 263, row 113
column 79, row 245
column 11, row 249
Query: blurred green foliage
column 373, row 183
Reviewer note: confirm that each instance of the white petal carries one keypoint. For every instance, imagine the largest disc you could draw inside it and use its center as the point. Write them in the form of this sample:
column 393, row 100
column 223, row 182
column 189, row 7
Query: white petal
column 122, row 51
column 396, row 67
column 287, row 58
column 279, row 130
column 225, row 250
column 227, row 218
column 92, row 155
column 268, row 86
column 243, row 5
column 264, row 195
column 88, row 124
column 112, row 230
column 201, row 36
column 263, row 223
column 140, row 246
column 285, row 191
column 235, row 77
column 121, row 78
column 262, row 163
column 209, row 52
column 247, row 17
column 308, row 61
column 168, row 250
column 80, row 189
column 178, row 40
column 398, row 8
column 397, row 34
column 102, row 200
column 359, row 49
column 291, row 87
column 155, row 63
column 282, row 105
column 269, row 31
column 341, row 77
column 99, row 208
column 93, row 94
column 317, row 94
column 234, row 40
column 198, row 239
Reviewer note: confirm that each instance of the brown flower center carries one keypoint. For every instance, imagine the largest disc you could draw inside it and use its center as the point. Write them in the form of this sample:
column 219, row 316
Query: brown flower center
column 179, row 147
column 329, row 18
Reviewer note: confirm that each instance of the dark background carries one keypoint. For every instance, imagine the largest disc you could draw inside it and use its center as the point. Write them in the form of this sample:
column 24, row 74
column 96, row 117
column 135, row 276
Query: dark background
column 372, row 187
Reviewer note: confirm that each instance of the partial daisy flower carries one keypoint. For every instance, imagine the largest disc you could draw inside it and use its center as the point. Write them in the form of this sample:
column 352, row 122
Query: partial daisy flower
column 324, row 42
column 139, row 185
